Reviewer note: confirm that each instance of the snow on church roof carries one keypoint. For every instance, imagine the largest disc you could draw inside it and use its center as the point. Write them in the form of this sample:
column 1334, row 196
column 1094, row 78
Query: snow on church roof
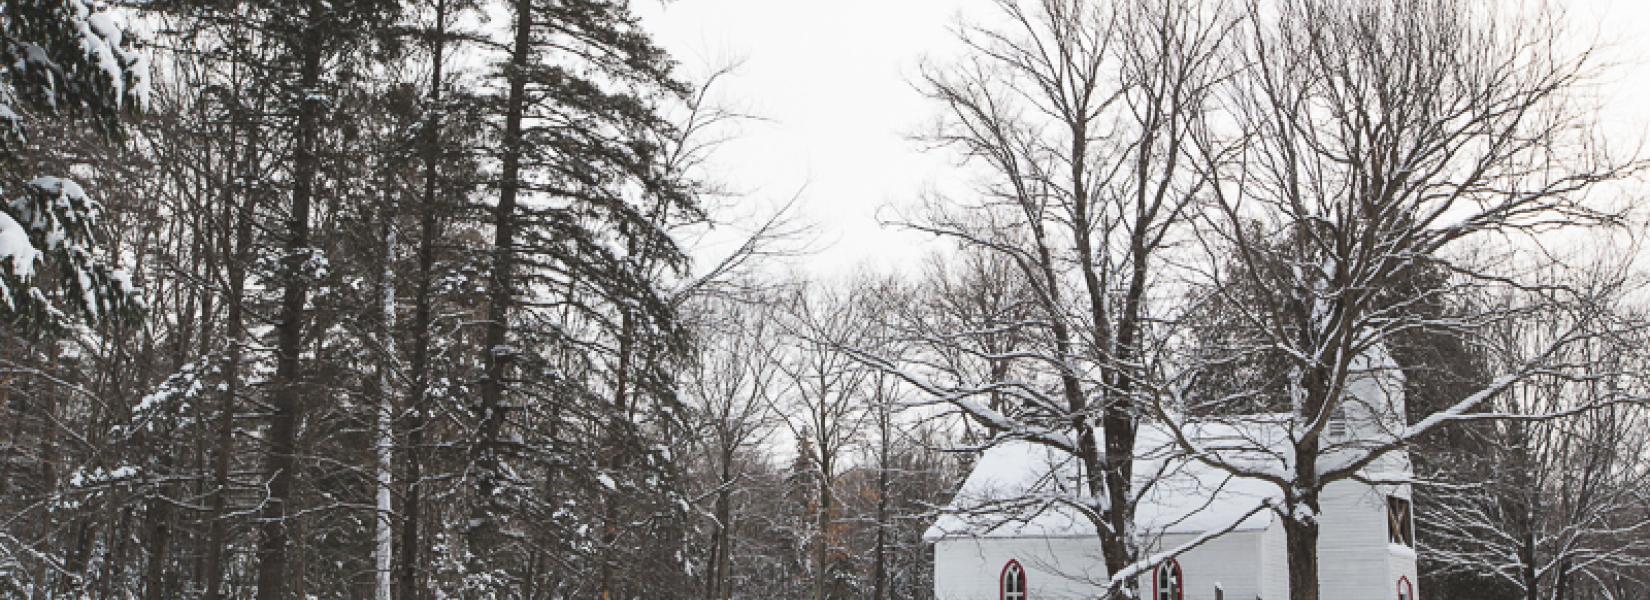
column 1024, row 489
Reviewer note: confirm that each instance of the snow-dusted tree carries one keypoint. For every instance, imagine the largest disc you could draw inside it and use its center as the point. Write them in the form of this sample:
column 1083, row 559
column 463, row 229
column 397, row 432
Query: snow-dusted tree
column 577, row 334
column 755, row 356
column 1552, row 507
column 885, row 405
column 442, row 142
column 894, row 495
column 893, row 488
column 301, row 53
column 1364, row 142
column 727, row 388
column 68, row 78
column 1080, row 117
column 311, row 35
column 980, row 291
column 272, row 110
column 824, row 398
column 63, row 60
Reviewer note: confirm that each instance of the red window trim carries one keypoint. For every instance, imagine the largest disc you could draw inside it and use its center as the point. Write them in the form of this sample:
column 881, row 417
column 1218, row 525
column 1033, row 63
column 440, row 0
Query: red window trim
column 1403, row 586
column 1002, row 580
column 1179, row 576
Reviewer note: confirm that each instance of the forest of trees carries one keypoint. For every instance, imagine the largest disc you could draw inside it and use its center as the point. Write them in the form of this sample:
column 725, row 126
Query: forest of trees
column 412, row 299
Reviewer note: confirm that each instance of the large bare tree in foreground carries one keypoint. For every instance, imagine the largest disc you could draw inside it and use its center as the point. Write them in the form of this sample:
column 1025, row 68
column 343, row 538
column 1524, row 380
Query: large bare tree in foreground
column 1362, row 146
column 1080, row 116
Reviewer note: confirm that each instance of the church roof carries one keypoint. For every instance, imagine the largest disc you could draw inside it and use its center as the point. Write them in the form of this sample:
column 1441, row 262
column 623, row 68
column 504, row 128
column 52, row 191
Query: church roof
column 1024, row 489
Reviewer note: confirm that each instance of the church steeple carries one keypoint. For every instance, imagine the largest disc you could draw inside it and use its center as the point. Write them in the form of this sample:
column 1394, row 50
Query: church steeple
column 1372, row 400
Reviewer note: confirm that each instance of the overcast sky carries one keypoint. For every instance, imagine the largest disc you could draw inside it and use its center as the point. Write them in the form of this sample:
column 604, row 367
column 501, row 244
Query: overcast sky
column 833, row 81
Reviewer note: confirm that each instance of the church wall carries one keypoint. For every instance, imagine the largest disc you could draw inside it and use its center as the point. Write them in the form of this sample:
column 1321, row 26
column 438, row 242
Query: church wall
column 1056, row 568
column 1402, row 563
column 1235, row 561
column 1355, row 559
column 1071, row 568
column 1274, row 570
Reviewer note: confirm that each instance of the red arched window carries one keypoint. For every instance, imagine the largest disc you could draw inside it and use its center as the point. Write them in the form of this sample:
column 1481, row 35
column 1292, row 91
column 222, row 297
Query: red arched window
column 1011, row 585
column 1168, row 583
column 1406, row 590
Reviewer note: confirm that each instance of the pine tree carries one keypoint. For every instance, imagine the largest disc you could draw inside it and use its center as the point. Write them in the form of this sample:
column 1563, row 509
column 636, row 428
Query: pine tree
column 576, row 330
column 63, row 60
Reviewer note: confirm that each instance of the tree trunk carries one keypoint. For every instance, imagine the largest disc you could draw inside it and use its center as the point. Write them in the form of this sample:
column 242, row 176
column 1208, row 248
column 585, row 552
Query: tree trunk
column 1527, row 571
column 1093, row 461
column 879, row 571
column 1301, row 541
column 235, row 330
column 1561, row 581
column 713, row 557
column 724, row 544
column 1300, row 526
column 412, row 451
column 496, row 355
column 48, row 479
column 286, row 397
column 16, row 430
column 158, row 512
column 615, row 460
column 160, row 530
column 206, row 228
column 385, row 444
column 822, row 548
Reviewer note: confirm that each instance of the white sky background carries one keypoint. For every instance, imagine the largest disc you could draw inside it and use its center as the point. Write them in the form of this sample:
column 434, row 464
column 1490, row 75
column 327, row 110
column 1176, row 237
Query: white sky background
column 834, row 82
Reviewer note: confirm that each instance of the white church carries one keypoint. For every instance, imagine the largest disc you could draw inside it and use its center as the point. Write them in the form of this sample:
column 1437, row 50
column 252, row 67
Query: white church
column 1012, row 532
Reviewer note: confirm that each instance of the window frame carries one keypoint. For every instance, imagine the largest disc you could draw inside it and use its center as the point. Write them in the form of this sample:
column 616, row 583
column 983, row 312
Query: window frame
column 1179, row 590
column 1406, row 590
column 1024, row 593
column 1400, row 531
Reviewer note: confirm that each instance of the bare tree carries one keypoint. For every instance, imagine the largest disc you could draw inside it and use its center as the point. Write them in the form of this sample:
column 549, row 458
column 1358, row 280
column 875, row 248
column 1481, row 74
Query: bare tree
column 978, row 291
column 1080, row 116
column 1562, row 518
column 1364, row 143
column 823, row 400
column 728, row 387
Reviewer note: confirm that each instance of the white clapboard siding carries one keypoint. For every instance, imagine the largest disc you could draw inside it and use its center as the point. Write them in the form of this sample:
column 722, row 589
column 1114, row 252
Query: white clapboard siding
column 1356, row 561
column 1056, row 568
column 1061, row 558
